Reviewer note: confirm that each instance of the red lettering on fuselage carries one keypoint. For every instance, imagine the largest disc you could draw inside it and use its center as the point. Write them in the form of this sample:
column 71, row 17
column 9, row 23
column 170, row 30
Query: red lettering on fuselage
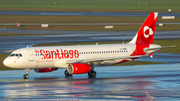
column 59, row 54
column 42, row 53
column 76, row 52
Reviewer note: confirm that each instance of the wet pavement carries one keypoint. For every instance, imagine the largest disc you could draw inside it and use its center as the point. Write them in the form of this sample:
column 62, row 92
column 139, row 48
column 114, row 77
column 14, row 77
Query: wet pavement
column 126, row 83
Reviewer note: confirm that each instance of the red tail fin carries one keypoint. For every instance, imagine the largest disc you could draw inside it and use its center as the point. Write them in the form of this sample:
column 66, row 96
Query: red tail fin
column 145, row 34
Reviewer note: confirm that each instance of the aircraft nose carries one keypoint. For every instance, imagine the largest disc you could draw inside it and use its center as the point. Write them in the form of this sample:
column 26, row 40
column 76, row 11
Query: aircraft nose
column 6, row 62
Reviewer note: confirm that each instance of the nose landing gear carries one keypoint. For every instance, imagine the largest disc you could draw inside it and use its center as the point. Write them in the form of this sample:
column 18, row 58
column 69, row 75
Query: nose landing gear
column 26, row 76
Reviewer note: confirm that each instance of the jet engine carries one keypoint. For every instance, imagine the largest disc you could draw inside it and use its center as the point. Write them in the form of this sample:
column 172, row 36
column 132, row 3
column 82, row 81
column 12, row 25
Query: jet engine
column 78, row 68
column 43, row 70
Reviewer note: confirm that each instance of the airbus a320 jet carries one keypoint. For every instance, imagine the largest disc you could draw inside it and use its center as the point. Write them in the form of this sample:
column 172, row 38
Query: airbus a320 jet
column 80, row 59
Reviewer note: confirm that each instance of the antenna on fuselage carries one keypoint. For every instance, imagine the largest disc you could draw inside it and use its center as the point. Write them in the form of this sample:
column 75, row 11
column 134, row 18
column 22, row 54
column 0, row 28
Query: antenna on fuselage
column 27, row 46
column 123, row 41
column 96, row 43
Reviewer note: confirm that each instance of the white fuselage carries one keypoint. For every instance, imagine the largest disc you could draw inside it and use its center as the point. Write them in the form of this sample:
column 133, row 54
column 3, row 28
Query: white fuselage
column 48, row 57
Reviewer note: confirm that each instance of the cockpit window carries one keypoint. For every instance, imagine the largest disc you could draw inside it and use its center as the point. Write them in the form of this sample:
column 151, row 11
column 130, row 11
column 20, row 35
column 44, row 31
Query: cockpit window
column 11, row 55
column 16, row 55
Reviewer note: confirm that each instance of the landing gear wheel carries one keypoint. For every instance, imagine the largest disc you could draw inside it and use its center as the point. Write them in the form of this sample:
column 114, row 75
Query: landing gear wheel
column 26, row 76
column 92, row 74
column 67, row 73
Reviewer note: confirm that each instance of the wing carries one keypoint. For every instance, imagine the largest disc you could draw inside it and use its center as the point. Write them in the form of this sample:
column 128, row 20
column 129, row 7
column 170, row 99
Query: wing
column 102, row 59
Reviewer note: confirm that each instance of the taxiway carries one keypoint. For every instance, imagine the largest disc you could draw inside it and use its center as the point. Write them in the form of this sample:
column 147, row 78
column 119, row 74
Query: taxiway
column 112, row 83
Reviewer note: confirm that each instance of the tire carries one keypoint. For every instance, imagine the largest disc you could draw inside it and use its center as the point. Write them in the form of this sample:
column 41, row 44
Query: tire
column 67, row 73
column 92, row 74
column 26, row 76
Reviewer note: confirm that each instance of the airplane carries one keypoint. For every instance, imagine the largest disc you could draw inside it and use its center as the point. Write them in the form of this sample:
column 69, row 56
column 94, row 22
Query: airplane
column 80, row 59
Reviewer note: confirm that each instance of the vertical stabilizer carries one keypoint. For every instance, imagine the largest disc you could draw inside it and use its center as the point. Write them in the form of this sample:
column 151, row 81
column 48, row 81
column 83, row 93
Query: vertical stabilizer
column 145, row 35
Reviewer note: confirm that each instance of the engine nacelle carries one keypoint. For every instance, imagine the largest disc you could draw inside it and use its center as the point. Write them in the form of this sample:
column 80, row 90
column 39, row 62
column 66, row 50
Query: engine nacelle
column 78, row 68
column 43, row 70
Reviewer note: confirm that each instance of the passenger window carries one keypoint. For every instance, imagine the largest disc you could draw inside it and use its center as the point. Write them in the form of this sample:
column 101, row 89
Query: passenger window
column 17, row 55
column 20, row 55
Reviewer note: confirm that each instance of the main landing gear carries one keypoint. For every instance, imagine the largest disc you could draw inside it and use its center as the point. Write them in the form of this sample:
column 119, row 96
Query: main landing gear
column 26, row 76
column 67, row 73
column 92, row 73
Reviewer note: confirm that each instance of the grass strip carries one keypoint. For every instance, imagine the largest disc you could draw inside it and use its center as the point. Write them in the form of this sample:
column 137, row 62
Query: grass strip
column 92, row 5
column 135, row 62
column 21, row 34
column 78, row 19
column 92, row 28
column 83, row 19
